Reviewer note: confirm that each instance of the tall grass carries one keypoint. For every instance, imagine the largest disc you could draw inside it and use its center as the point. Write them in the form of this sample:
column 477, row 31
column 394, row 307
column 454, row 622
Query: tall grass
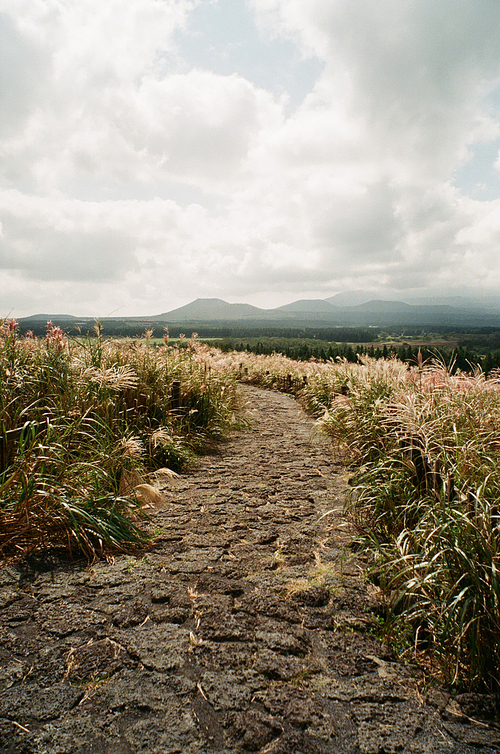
column 428, row 502
column 426, row 495
column 423, row 444
column 94, row 411
column 424, row 448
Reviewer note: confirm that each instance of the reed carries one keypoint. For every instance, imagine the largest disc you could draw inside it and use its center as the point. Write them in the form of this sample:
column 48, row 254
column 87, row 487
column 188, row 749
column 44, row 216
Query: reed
column 423, row 444
column 426, row 492
column 93, row 411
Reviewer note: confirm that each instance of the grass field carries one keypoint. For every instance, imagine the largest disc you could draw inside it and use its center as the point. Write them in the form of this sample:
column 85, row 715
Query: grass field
column 92, row 415
column 98, row 418
column 424, row 447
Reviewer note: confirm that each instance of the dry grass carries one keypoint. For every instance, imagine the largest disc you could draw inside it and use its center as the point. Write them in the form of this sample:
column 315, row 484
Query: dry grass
column 424, row 446
column 93, row 411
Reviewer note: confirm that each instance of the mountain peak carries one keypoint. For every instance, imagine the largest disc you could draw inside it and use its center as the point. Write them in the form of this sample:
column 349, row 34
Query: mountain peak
column 207, row 309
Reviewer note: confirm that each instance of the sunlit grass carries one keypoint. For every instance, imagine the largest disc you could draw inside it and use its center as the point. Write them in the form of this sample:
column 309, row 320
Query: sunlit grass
column 92, row 411
column 423, row 446
column 424, row 449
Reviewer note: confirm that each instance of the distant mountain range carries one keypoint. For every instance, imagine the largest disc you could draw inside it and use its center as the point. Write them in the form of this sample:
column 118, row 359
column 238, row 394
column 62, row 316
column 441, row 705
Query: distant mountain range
column 354, row 309
column 330, row 312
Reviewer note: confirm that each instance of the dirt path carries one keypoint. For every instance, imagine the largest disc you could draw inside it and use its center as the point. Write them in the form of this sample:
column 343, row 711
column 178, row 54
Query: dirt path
column 246, row 628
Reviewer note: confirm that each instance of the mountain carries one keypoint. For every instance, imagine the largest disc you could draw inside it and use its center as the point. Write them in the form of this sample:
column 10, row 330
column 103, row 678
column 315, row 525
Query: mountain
column 304, row 313
column 326, row 313
column 350, row 298
column 379, row 305
column 209, row 309
column 308, row 305
column 51, row 317
column 474, row 302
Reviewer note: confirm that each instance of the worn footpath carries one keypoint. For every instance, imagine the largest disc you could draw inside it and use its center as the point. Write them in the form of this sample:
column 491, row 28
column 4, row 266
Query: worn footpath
column 248, row 626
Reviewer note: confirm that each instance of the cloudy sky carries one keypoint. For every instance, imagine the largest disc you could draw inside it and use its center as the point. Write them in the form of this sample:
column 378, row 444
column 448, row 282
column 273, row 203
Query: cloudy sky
column 156, row 151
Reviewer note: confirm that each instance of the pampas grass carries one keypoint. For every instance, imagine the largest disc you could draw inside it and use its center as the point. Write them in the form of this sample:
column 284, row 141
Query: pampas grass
column 423, row 444
column 96, row 412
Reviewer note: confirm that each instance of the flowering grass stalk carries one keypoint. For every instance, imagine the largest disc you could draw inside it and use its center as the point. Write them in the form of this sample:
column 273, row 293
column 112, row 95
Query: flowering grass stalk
column 95, row 410
column 426, row 496
column 424, row 447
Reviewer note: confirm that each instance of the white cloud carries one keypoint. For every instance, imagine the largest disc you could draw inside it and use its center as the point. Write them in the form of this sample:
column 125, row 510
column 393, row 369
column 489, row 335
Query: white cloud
column 145, row 181
column 411, row 75
column 24, row 66
column 199, row 126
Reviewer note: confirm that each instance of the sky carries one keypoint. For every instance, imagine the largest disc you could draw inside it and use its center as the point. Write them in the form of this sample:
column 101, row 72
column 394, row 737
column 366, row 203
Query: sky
column 260, row 151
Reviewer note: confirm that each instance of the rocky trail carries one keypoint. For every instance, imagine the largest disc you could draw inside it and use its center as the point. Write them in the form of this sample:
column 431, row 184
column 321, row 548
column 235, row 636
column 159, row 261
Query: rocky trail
column 246, row 628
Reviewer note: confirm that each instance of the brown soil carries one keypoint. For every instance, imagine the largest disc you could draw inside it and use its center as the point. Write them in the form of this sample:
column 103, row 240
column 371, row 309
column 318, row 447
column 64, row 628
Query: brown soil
column 248, row 627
